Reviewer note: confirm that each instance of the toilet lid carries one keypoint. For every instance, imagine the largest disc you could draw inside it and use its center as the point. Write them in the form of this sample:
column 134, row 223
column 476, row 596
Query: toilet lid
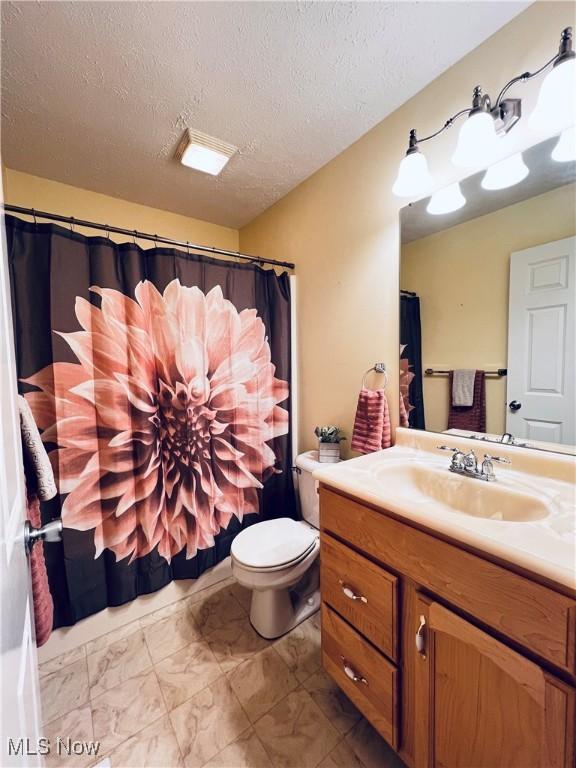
column 273, row 543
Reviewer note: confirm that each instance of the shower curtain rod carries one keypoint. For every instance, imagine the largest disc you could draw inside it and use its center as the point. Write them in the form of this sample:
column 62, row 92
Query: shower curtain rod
column 143, row 235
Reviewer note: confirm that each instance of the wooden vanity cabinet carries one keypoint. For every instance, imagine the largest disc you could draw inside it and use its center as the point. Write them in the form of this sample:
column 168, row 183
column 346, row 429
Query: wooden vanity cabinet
column 491, row 682
column 479, row 704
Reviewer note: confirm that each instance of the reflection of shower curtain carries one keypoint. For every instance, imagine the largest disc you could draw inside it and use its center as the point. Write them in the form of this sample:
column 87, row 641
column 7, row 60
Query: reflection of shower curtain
column 160, row 381
column 411, row 357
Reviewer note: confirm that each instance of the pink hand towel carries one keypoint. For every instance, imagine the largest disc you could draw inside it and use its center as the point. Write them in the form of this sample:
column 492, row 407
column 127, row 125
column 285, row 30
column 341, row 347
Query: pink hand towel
column 41, row 596
column 372, row 423
column 404, row 421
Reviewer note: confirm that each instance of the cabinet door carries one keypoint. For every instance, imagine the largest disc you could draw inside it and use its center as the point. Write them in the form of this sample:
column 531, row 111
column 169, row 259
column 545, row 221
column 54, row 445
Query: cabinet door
column 481, row 705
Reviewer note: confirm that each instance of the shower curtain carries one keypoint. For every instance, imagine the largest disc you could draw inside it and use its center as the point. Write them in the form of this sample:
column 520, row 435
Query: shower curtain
column 160, row 381
column 411, row 359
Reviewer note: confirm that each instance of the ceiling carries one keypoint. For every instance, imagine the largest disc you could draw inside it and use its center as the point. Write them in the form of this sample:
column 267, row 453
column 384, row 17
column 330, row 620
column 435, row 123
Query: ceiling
column 545, row 174
column 98, row 94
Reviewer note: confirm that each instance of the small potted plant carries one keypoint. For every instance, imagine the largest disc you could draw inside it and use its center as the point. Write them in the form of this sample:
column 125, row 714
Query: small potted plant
column 329, row 439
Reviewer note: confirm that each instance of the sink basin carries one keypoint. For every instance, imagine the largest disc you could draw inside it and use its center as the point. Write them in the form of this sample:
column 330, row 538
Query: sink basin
column 421, row 483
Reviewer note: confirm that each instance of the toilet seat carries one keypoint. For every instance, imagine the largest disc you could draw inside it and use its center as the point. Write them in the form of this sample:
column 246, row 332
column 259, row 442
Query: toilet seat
column 274, row 544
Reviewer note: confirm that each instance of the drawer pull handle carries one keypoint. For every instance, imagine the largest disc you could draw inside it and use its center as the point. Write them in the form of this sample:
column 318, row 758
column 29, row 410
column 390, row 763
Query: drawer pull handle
column 349, row 592
column 351, row 673
column 420, row 638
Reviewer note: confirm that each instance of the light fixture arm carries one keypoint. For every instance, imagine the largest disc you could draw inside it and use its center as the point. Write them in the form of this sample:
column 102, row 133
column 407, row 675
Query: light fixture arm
column 523, row 78
column 447, row 124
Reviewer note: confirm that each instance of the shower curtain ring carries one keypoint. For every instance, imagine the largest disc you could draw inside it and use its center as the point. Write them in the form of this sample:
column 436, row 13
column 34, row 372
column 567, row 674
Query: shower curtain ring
column 107, row 231
column 71, row 223
column 134, row 235
column 187, row 247
column 155, row 238
column 34, row 217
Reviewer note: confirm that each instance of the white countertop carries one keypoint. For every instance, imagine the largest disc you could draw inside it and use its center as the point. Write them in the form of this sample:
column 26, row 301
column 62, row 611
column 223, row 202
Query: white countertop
column 545, row 546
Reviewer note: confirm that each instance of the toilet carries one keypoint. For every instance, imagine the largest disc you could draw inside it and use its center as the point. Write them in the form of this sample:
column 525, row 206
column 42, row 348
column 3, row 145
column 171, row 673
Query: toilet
column 278, row 561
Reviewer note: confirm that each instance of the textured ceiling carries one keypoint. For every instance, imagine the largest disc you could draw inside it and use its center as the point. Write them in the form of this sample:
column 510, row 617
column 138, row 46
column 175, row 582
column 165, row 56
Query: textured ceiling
column 97, row 94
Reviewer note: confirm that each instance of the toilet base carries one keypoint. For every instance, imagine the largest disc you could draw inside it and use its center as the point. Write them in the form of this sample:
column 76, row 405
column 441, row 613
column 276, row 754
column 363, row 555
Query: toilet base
column 274, row 612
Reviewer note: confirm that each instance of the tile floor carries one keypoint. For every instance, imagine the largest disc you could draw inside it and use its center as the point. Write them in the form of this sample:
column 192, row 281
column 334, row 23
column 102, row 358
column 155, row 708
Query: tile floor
column 193, row 685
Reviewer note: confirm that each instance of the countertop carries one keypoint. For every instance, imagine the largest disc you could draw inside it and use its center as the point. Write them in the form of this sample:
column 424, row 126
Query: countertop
column 545, row 547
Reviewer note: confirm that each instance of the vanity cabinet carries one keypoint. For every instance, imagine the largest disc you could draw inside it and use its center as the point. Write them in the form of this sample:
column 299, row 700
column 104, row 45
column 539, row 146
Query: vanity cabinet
column 479, row 703
column 457, row 660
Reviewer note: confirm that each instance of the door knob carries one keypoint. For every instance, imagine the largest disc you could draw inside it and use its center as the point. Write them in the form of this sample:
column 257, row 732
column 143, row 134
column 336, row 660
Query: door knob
column 51, row 532
column 514, row 405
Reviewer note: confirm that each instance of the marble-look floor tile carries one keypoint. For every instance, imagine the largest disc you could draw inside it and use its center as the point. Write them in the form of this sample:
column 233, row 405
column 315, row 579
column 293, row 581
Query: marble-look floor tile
column 169, row 635
column 117, row 662
column 341, row 757
column 235, row 642
column 370, row 747
column 153, row 747
column 295, row 733
column 245, row 752
column 208, row 722
column 261, row 682
column 64, row 690
column 332, row 701
column 202, row 594
column 186, row 672
column 121, row 712
column 300, row 649
column 216, row 611
column 163, row 613
column 242, row 594
column 77, row 726
column 53, row 665
column 112, row 637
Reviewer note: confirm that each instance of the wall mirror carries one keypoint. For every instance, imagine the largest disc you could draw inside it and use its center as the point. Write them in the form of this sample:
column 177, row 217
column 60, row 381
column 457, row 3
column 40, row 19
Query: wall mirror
column 488, row 307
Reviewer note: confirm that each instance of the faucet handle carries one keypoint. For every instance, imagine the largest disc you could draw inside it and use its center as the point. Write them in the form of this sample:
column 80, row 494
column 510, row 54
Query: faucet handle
column 499, row 459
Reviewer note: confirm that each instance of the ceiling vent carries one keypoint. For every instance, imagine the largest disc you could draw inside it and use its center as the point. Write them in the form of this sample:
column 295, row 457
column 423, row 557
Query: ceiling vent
column 204, row 153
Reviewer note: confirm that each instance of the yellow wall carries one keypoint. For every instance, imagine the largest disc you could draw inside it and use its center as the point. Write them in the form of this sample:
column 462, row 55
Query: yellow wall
column 341, row 226
column 462, row 275
column 54, row 197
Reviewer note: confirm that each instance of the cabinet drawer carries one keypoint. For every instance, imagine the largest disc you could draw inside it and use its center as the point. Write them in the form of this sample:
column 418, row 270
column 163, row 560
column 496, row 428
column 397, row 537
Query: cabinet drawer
column 540, row 619
column 345, row 656
column 362, row 592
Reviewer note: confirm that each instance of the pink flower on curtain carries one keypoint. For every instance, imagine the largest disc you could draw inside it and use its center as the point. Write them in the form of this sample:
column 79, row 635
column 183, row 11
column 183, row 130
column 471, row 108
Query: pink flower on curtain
column 163, row 425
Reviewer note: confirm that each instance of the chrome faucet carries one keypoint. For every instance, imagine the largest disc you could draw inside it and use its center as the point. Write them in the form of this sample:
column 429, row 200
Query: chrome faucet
column 467, row 464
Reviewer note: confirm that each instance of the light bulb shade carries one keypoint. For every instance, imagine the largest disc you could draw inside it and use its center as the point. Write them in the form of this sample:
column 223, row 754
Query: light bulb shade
column 565, row 149
column 446, row 200
column 506, row 173
column 478, row 144
column 414, row 179
column 556, row 104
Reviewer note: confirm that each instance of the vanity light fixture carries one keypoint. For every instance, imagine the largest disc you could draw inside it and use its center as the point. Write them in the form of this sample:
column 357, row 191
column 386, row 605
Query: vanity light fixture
column 565, row 149
column 204, row 153
column 446, row 200
column 505, row 173
column 479, row 142
column 413, row 175
column 555, row 106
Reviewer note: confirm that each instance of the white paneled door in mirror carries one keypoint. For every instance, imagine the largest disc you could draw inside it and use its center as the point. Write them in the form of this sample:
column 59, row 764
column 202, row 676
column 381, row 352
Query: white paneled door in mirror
column 20, row 708
column 542, row 343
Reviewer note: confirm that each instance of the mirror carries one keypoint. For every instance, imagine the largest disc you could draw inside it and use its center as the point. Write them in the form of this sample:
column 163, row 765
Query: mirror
column 488, row 310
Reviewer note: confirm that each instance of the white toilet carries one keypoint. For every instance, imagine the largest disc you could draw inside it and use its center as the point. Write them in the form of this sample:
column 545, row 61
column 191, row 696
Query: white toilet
column 278, row 561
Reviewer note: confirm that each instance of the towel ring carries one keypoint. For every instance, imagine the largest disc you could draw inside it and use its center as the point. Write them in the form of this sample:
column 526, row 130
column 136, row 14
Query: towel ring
column 378, row 368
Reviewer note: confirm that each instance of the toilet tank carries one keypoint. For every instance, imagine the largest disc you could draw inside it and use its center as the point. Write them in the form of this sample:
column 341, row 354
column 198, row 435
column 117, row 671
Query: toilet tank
column 307, row 487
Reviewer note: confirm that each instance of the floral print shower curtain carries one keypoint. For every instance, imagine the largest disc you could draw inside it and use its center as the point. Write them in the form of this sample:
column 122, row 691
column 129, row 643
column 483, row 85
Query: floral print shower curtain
column 160, row 381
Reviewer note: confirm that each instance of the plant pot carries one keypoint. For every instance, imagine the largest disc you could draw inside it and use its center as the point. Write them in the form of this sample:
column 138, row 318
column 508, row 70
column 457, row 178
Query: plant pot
column 328, row 453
